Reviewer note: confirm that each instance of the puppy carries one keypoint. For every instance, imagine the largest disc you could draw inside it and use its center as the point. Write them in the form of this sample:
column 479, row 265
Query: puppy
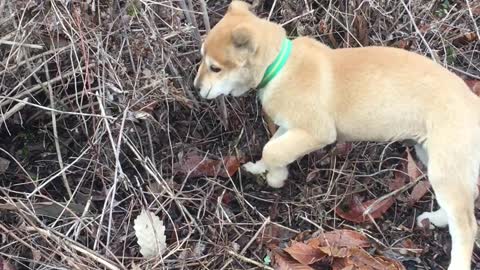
column 317, row 95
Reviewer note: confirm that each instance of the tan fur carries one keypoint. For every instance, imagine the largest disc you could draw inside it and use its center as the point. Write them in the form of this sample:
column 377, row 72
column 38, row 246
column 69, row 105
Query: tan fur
column 363, row 94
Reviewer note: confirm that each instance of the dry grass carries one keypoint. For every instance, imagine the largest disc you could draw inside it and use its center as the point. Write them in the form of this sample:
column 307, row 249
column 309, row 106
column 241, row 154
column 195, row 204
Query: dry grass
column 96, row 107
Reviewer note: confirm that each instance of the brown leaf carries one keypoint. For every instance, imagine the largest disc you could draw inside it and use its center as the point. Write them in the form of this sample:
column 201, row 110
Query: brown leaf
column 465, row 39
column 336, row 252
column 5, row 265
column 420, row 189
column 412, row 167
column 408, row 245
column 305, row 254
column 363, row 260
column 355, row 209
column 196, row 165
column 232, row 164
column 343, row 149
column 273, row 235
column 396, row 183
column 403, row 44
column 340, row 238
column 282, row 261
column 474, row 86
column 272, row 128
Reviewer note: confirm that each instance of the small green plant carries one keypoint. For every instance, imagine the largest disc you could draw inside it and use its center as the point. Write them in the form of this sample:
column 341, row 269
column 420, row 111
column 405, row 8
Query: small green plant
column 451, row 55
column 443, row 9
column 133, row 8
column 267, row 260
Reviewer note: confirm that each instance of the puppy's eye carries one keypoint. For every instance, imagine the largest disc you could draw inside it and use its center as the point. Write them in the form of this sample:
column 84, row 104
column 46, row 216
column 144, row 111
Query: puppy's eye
column 215, row 69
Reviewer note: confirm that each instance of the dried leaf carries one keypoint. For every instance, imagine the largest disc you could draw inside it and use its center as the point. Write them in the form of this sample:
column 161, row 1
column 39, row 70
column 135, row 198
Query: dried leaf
column 474, row 86
column 408, row 245
column 420, row 189
column 273, row 235
column 412, row 167
column 396, row 183
column 5, row 265
column 196, row 165
column 340, row 238
column 355, row 209
column 363, row 260
column 272, row 128
column 150, row 234
column 305, row 254
column 343, row 149
column 403, row 44
column 465, row 39
column 337, row 252
column 283, row 262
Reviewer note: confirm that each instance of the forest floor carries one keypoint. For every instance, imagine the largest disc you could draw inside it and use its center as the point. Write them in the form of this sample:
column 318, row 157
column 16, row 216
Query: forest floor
column 99, row 120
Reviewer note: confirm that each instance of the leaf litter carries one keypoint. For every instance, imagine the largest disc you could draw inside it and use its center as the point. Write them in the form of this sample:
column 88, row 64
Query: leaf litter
column 339, row 249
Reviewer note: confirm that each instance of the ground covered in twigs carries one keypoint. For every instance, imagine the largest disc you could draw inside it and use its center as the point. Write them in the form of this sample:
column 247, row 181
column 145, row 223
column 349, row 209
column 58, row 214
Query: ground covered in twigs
column 99, row 120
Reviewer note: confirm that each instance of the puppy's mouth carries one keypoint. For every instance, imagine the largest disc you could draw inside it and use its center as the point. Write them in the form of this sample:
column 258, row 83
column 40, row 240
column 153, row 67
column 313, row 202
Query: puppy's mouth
column 208, row 94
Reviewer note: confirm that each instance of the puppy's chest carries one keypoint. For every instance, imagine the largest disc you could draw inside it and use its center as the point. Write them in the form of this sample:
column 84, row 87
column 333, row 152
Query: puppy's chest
column 276, row 107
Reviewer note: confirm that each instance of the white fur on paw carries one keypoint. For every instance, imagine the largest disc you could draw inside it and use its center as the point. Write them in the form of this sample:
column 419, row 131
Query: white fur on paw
column 437, row 219
column 255, row 168
column 276, row 177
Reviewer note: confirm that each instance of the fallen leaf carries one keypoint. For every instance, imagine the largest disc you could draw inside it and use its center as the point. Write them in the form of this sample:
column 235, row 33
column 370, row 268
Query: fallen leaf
column 340, row 238
column 355, row 209
column 232, row 164
column 305, row 254
column 474, row 86
column 412, row 168
column 397, row 182
column 361, row 259
column 196, row 165
column 273, row 235
column 420, row 189
column 283, row 262
column 465, row 39
column 5, row 265
column 272, row 128
column 403, row 44
column 150, row 233
column 343, row 149
column 408, row 245
column 337, row 252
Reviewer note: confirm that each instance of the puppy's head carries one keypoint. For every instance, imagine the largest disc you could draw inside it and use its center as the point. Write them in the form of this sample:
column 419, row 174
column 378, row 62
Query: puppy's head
column 231, row 54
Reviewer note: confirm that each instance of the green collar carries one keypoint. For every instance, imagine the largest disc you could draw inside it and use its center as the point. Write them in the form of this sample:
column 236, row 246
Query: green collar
column 277, row 64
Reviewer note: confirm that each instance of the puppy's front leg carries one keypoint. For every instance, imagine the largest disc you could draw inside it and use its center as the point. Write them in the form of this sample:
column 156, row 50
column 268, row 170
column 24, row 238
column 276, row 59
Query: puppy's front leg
column 260, row 166
column 286, row 148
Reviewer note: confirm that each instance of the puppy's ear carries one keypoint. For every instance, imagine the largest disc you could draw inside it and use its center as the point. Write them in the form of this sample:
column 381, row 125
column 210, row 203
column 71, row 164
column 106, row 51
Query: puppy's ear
column 239, row 7
column 243, row 37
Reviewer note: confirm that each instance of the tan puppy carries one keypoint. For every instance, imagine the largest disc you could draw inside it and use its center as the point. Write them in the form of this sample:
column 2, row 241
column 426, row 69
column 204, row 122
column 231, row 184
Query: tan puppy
column 319, row 95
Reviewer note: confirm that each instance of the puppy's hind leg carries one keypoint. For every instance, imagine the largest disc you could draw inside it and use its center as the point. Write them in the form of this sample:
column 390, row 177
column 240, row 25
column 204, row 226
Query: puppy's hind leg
column 452, row 172
column 437, row 218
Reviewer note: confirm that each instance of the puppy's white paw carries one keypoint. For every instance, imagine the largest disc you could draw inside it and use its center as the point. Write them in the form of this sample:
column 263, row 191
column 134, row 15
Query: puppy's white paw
column 276, row 177
column 255, row 168
column 437, row 219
